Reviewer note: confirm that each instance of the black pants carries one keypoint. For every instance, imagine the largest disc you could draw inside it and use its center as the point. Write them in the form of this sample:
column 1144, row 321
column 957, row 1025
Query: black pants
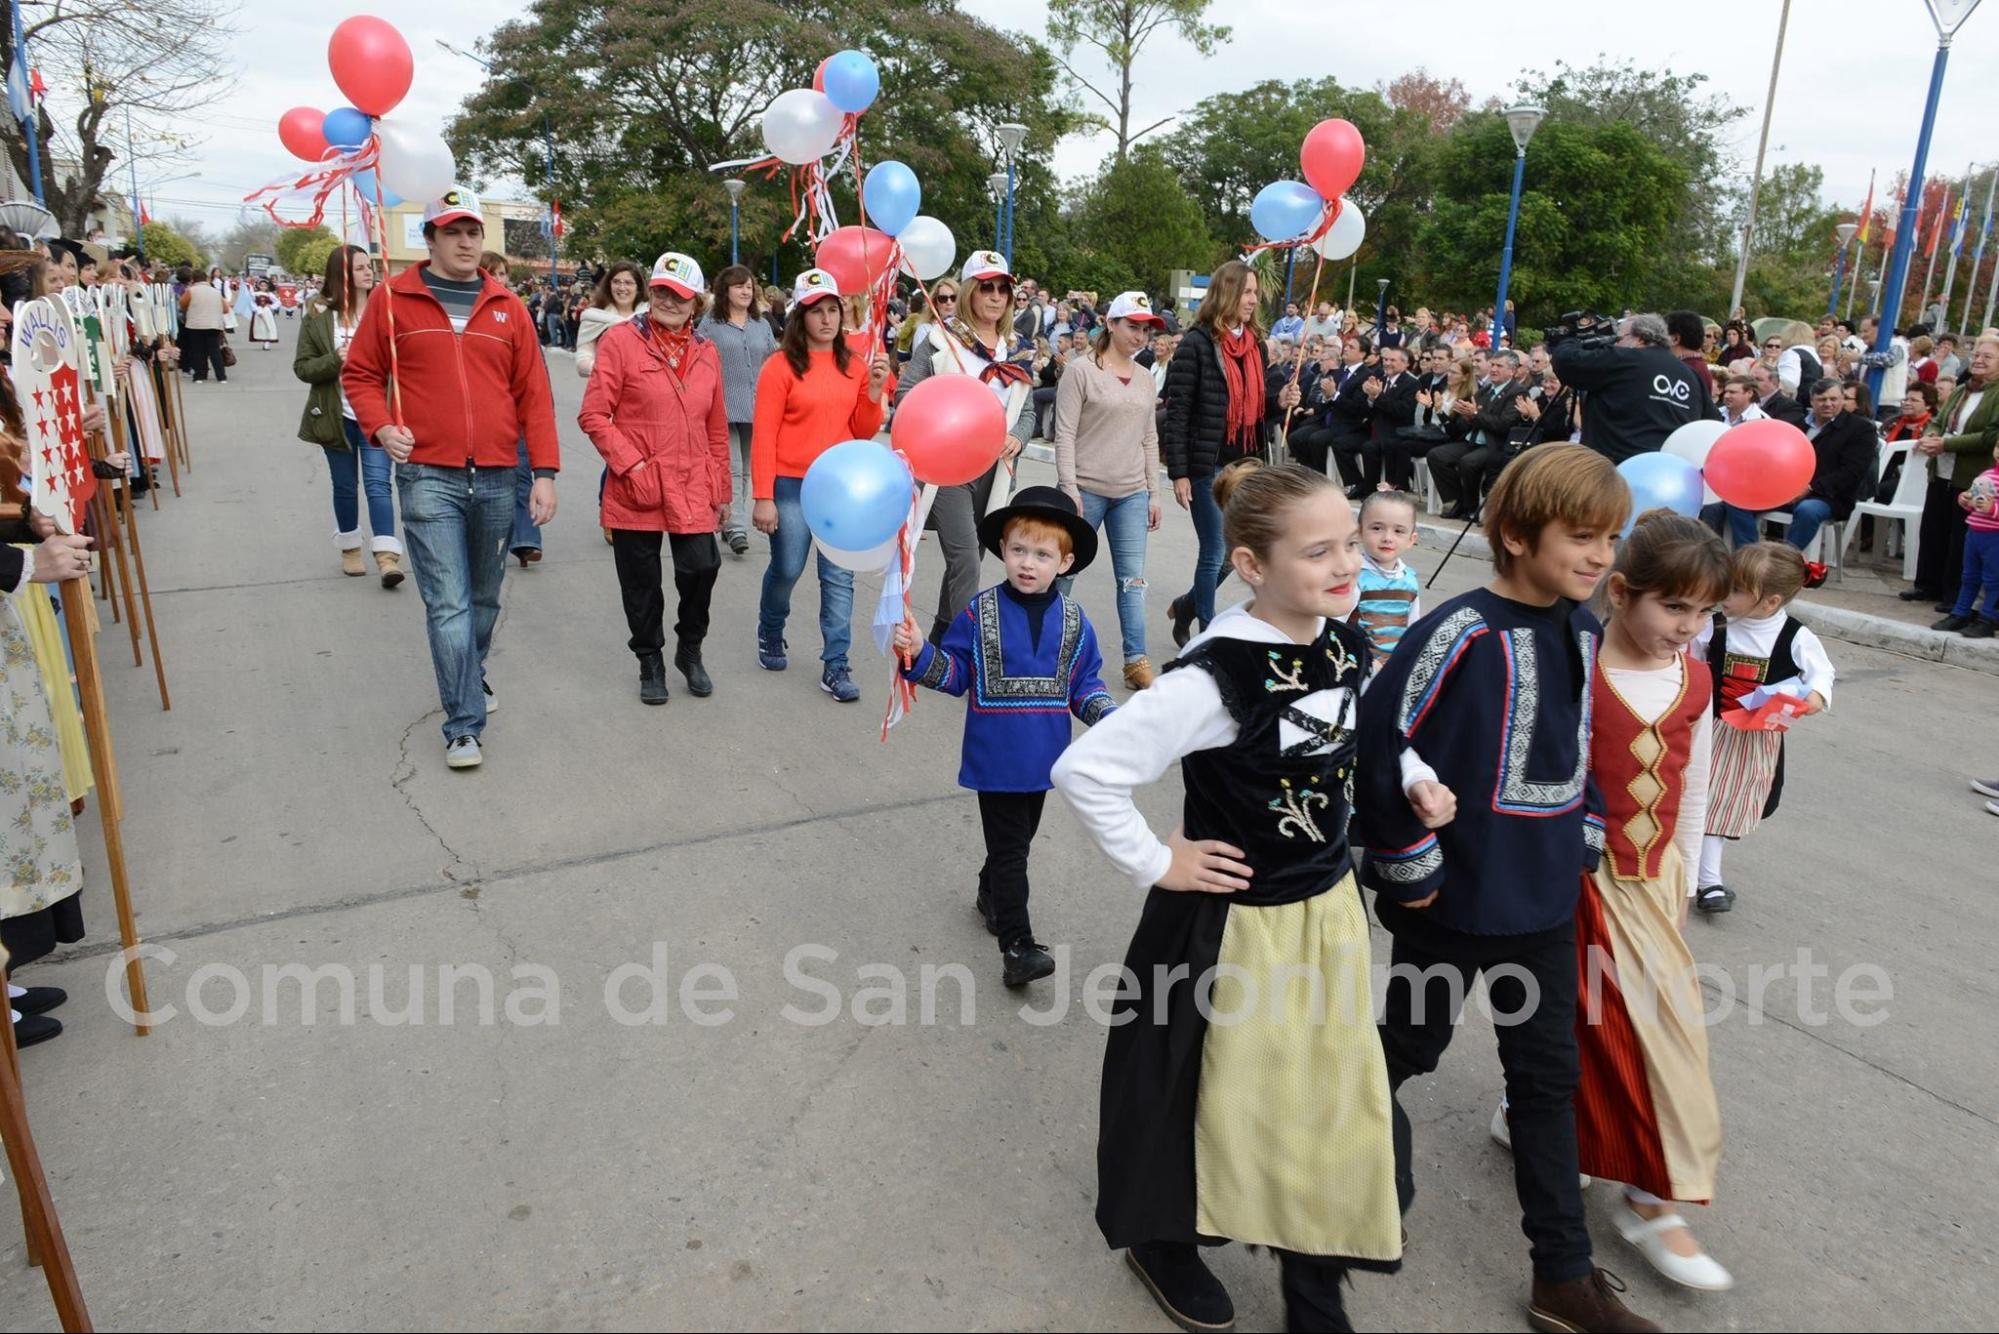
column 696, row 559
column 1352, row 455
column 1940, row 560
column 1010, row 820
column 1464, row 470
column 202, row 348
column 1537, row 1051
column 1311, row 445
column 1312, row 1297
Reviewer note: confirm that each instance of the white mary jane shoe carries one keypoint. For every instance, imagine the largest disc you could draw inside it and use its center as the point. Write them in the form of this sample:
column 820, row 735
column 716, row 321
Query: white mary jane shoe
column 1502, row 1135
column 1700, row 1270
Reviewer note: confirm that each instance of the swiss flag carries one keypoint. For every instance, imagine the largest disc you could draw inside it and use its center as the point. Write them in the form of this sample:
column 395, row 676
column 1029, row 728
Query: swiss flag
column 555, row 216
column 60, row 427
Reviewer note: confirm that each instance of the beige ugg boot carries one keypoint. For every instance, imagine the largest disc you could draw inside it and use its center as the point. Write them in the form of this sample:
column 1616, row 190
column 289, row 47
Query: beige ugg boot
column 351, row 564
column 391, row 566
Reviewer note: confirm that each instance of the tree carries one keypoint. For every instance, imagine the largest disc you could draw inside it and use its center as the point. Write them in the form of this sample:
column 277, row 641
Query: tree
column 156, row 60
column 252, row 236
column 1120, row 29
column 1597, row 218
column 164, row 245
column 311, row 255
column 1138, row 215
column 292, row 242
column 1440, row 104
column 644, row 96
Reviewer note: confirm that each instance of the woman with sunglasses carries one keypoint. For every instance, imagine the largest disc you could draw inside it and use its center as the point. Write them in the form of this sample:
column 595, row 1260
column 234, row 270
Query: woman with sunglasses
column 979, row 340
column 656, row 411
column 737, row 328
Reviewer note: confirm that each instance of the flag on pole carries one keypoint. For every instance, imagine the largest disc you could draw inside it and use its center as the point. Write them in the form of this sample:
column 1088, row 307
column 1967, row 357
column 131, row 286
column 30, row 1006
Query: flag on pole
column 1867, row 212
column 1936, row 228
column 555, row 210
column 1957, row 227
column 17, row 91
column 145, row 218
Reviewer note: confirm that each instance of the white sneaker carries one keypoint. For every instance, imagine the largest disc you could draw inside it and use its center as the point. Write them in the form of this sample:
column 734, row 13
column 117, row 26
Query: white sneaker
column 463, row 753
column 1993, row 807
column 1502, row 1135
column 492, row 700
column 1699, row 1270
column 1985, row 787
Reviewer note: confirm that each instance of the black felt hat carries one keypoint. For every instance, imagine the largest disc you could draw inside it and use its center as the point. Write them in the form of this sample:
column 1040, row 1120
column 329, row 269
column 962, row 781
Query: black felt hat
column 1042, row 502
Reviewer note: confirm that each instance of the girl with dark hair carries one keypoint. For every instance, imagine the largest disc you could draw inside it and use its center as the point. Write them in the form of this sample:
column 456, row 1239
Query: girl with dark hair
column 356, row 463
column 815, row 395
column 737, row 328
column 614, row 301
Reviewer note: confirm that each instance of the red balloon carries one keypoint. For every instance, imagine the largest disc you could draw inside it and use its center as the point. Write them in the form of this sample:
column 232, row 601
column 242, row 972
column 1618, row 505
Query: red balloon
column 857, row 257
column 951, row 428
column 1332, row 157
column 819, row 77
column 303, row 134
column 371, row 62
column 1760, row 465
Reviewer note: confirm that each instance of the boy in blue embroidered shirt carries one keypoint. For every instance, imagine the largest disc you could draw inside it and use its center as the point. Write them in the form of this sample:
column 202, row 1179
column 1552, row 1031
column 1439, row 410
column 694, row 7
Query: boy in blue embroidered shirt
column 1391, row 597
column 1478, row 840
column 1030, row 659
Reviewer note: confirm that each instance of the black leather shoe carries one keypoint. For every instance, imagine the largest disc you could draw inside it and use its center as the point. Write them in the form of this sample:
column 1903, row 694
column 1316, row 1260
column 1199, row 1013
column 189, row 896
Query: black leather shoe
column 32, row 1028
column 39, row 1000
column 1023, row 962
column 1713, row 899
column 1944, row 606
column 1181, row 610
column 652, row 679
column 1916, row 595
column 1180, row 1281
column 688, row 660
column 1951, row 622
column 1979, row 629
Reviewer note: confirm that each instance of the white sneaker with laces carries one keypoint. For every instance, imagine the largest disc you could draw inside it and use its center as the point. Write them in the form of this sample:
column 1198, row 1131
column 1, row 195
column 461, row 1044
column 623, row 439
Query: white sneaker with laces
column 492, row 700
column 1985, row 787
column 463, row 753
column 1993, row 807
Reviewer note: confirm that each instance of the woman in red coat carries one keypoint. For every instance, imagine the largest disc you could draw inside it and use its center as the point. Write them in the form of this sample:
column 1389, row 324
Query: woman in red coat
column 655, row 411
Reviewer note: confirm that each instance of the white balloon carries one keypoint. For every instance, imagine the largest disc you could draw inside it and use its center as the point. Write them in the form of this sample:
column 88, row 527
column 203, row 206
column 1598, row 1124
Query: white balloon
column 873, row 561
column 415, row 162
column 1692, row 443
column 928, row 248
column 801, row 126
column 1349, row 229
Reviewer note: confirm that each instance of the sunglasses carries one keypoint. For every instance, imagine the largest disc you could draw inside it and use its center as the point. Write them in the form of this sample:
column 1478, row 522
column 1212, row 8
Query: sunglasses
column 1772, row 345
column 947, row 298
column 993, row 286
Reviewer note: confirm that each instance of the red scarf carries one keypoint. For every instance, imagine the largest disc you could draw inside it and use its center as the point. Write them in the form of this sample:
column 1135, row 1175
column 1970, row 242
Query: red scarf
column 1909, row 428
column 1242, row 369
column 998, row 369
column 672, row 345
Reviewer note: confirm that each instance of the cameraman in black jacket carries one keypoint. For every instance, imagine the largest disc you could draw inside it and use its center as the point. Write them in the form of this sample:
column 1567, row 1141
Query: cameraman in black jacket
column 1636, row 391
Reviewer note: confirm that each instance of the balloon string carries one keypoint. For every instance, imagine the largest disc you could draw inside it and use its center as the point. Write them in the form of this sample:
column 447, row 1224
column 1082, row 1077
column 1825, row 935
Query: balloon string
column 1298, row 363
column 1327, row 216
column 388, row 295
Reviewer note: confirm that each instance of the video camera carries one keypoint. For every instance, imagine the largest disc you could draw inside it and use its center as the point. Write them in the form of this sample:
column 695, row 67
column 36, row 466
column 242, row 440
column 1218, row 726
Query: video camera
column 1584, row 328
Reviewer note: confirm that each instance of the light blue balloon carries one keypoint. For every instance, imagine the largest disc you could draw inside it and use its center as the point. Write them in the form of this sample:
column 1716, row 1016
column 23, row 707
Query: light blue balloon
column 1285, row 209
column 347, row 128
column 852, row 82
column 892, row 195
column 856, row 495
column 1660, row 480
column 364, row 181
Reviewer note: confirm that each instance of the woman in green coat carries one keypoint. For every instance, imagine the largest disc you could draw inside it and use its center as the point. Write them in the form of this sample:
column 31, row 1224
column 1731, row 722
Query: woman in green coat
column 355, row 462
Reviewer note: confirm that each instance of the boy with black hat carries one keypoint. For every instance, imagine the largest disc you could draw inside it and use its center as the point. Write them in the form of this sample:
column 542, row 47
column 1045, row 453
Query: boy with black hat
column 1029, row 658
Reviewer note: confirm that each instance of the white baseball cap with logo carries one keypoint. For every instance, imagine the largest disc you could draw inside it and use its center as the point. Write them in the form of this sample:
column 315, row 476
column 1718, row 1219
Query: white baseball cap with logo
column 1133, row 306
column 812, row 285
column 983, row 264
column 456, row 203
column 678, row 274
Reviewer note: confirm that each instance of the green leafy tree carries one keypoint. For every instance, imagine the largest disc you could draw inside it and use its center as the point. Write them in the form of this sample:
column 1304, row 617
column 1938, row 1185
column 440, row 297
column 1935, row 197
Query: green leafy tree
column 1138, row 218
column 1597, row 218
column 311, row 257
column 644, row 96
column 167, row 246
column 1791, row 260
column 291, row 244
column 1119, row 30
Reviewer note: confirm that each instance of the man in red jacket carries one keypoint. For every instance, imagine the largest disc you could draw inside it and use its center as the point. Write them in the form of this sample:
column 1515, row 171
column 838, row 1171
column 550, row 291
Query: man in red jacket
column 463, row 384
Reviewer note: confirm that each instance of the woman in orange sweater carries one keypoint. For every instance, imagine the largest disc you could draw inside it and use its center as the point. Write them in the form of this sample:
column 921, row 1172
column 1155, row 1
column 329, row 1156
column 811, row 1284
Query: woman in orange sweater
column 816, row 392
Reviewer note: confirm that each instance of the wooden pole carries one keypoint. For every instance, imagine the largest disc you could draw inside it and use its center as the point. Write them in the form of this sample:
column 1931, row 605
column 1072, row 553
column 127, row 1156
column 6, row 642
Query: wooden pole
column 173, row 462
column 112, row 513
column 43, row 1230
column 139, row 563
column 180, row 426
column 110, row 805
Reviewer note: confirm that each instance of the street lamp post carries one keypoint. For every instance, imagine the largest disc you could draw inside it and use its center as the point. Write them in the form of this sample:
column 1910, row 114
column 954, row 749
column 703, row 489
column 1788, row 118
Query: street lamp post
column 1949, row 16
column 735, row 189
column 1522, row 119
column 29, row 126
column 1011, row 137
column 1845, row 232
column 1380, row 308
column 997, row 183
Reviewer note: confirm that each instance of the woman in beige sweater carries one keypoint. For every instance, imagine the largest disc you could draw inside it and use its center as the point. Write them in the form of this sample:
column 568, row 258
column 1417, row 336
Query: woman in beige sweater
column 1107, row 459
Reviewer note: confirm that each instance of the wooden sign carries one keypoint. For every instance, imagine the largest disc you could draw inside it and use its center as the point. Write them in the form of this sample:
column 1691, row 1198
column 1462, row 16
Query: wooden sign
column 143, row 317
column 47, row 385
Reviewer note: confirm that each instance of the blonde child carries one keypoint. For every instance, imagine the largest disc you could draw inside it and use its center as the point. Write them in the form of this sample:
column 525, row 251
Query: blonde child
column 1391, row 596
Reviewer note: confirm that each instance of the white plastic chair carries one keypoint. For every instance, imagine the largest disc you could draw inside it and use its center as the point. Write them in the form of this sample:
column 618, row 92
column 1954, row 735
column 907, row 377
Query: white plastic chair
column 1906, row 508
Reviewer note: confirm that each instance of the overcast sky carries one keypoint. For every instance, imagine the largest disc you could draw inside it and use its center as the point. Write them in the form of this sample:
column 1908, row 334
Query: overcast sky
column 1850, row 97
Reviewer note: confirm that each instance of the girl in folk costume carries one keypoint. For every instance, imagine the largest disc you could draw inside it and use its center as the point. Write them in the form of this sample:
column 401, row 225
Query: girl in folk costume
column 264, row 319
column 1215, row 409
column 1646, row 1113
column 1758, row 644
column 980, row 342
column 655, row 410
column 1271, row 1127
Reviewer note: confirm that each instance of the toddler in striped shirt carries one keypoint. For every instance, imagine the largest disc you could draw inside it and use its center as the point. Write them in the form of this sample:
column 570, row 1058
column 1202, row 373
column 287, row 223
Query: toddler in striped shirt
column 1390, row 594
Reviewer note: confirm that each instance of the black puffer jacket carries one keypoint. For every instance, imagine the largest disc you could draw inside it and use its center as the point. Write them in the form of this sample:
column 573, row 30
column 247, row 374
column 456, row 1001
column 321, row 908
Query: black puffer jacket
column 1197, row 409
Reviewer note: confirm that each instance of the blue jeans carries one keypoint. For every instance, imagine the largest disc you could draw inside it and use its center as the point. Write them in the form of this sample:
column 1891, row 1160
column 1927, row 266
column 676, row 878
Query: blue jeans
column 1981, row 574
column 357, row 467
column 1807, row 517
column 1123, row 522
column 458, row 521
column 527, row 535
column 789, row 546
column 1208, row 532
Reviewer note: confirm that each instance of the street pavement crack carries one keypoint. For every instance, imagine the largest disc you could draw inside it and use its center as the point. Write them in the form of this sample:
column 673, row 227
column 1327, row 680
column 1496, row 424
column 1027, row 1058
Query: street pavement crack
column 405, row 771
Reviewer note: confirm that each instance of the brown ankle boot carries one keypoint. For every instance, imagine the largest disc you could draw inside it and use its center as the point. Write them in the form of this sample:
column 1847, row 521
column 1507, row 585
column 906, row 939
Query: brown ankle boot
column 391, row 566
column 1138, row 674
column 1587, row 1305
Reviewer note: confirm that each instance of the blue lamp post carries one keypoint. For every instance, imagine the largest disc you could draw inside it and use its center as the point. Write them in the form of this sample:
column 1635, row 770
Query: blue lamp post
column 997, row 183
column 1949, row 16
column 1522, row 120
column 1011, row 136
column 735, row 189
column 1845, row 232
column 29, row 126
